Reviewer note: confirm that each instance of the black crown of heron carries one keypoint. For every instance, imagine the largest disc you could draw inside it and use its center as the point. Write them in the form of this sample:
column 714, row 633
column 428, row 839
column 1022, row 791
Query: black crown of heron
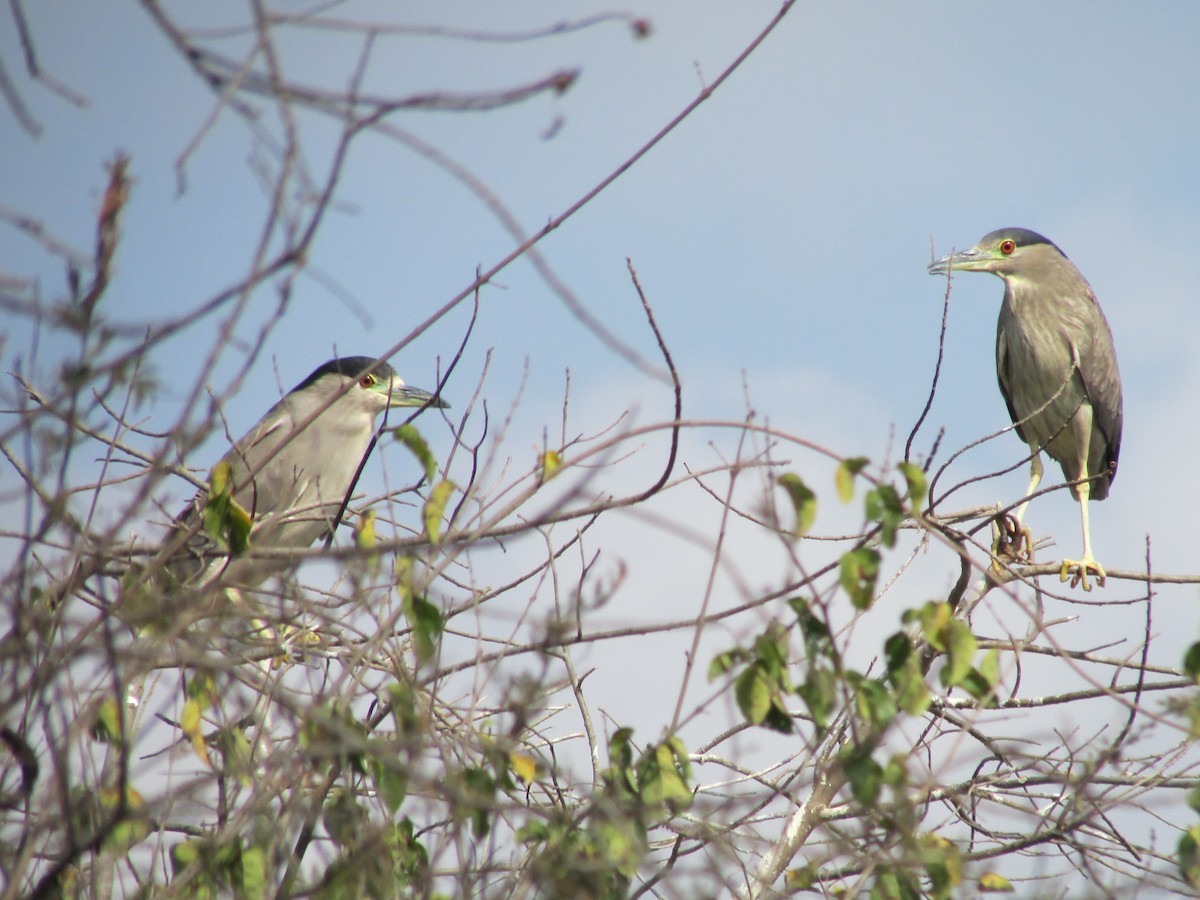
column 1057, row 368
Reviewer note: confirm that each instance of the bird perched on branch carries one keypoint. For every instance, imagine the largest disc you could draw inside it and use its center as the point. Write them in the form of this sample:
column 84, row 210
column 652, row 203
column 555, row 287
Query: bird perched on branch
column 1057, row 369
column 284, row 483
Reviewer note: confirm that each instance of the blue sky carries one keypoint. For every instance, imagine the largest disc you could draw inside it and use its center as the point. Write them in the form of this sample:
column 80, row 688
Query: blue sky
column 782, row 233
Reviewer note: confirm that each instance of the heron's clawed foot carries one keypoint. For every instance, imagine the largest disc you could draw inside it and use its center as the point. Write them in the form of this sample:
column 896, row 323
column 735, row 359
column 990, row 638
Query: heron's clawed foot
column 1077, row 570
column 1012, row 542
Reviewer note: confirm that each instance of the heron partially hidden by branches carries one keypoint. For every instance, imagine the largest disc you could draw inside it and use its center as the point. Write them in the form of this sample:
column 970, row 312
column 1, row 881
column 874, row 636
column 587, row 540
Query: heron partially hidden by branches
column 1057, row 369
column 287, row 479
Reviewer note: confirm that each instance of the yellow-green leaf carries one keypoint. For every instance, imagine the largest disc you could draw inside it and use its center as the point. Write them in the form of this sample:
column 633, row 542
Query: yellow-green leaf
column 218, row 479
column 916, row 483
column 991, row 882
column 426, row 624
column 804, row 501
column 223, row 517
column 234, row 748
column 523, row 765
column 184, row 854
column 133, row 827
column 255, row 876
column 364, row 534
column 435, row 507
column 202, row 688
column 551, row 462
column 859, row 569
column 190, row 724
column 364, row 537
column 411, row 438
column 801, row 879
column 844, row 477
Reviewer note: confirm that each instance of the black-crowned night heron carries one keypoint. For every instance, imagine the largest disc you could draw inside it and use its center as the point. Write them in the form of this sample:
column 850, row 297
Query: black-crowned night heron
column 1057, row 368
column 291, row 482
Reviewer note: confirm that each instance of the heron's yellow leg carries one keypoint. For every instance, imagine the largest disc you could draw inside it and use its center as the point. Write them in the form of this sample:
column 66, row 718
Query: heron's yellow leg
column 1077, row 569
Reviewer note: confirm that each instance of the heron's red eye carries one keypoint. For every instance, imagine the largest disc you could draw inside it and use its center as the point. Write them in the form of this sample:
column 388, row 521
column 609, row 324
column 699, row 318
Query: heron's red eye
column 367, row 381
column 1007, row 247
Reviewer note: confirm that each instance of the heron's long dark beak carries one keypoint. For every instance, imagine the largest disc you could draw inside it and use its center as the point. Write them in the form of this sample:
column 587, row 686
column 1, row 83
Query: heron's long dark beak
column 972, row 260
column 409, row 396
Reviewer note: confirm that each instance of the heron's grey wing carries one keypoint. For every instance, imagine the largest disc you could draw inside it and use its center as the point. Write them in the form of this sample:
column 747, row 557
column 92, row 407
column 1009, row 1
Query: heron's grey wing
column 1004, row 373
column 1102, row 381
column 253, row 453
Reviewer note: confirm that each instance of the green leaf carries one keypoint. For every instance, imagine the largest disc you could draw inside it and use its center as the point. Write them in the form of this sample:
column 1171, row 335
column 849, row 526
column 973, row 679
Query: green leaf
column 933, row 618
column 804, row 502
column 875, row 703
column 222, row 516
column 863, row 774
column 403, row 701
column 620, row 842
column 989, row 667
column 426, row 623
column 801, row 879
column 1191, row 662
column 883, row 506
column 912, row 693
column 898, row 650
column 819, row 693
column 771, row 652
column 391, row 784
column 184, row 854
column 409, row 858
column 981, row 683
column 411, row 438
column 479, row 795
column 960, row 652
column 724, row 662
column 753, row 695
column 331, row 731
column 132, row 828
column 845, row 475
column 234, row 749
column 817, row 643
column 1189, row 856
column 254, row 873
column 344, row 819
column 435, row 507
column 202, row 688
column 895, row 773
column 620, row 749
column 778, row 718
column 107, row 724
column 892, row 884
column 859, row 569
column 917, row 485
column 535, row 831
column 663, row 773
